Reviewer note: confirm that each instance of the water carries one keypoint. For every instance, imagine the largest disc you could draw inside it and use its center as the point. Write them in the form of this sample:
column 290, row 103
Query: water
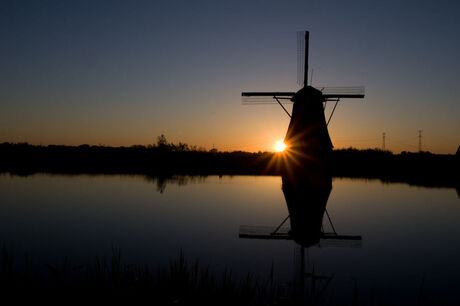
column 410, row 235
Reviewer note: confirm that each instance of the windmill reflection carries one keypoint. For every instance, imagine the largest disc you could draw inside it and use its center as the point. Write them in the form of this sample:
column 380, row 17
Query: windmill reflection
column 306, row 194
column 306, row 205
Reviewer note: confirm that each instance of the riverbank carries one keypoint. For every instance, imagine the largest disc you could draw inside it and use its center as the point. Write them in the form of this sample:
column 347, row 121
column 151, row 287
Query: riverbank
column 424, row 168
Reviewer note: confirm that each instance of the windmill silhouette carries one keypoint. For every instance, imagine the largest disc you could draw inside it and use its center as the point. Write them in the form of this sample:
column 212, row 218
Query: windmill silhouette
column 307, row 134
column 307, row 186
column 308, row 228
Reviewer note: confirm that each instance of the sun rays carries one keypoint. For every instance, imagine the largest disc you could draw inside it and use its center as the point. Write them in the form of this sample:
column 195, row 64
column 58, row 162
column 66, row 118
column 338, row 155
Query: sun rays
column 290, row 157
column 279, row 146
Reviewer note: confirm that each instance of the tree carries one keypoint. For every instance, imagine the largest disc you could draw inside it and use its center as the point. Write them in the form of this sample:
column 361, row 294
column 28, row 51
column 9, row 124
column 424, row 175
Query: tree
column 161, row 141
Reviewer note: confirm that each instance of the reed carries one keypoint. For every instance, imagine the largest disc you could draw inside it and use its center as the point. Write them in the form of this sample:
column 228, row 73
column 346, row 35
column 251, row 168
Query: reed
column 111, row 281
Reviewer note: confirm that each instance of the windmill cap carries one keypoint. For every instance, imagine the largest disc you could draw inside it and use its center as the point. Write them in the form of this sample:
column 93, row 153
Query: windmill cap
column 307, row 93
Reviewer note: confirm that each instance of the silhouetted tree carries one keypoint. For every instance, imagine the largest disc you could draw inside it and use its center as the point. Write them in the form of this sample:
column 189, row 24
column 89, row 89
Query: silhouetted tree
column 162, row 141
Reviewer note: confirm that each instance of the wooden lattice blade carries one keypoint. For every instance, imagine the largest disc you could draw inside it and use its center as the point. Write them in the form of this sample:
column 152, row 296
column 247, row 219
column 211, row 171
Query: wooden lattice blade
column 329, row 93
column 342, row 92
column 264, row 232
column 272, row 233
column 265, row 97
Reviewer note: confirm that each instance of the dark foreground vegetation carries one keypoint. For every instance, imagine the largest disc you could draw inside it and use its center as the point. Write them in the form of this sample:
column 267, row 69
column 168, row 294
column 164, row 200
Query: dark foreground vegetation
column 165, row 159
column 113, row 282
column 110, row 281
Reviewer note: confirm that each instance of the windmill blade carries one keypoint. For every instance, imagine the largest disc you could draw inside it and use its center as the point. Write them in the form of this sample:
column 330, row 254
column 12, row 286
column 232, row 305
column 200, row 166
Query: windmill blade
column 355, row 92
column 264, row 232
column 301, row 58
column 257, row 100
column 265, row 97
column 340, row 241
column 278, row 94
column 329, row 93
column 283, row 233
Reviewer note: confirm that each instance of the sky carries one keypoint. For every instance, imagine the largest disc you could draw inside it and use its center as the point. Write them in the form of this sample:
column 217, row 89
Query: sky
column 121, row 73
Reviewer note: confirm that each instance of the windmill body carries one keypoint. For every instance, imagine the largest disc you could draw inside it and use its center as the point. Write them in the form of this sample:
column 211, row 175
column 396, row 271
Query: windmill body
column 307, row 133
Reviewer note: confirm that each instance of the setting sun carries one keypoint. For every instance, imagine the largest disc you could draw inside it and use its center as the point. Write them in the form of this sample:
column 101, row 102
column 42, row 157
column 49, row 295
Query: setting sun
column 279, row 146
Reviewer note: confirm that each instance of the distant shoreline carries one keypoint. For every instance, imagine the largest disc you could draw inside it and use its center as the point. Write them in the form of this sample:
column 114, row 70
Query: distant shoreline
column 421, row 169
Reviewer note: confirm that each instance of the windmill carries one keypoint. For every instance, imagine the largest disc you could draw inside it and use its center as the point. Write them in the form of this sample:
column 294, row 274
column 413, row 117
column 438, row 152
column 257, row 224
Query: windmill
column 307, row 187
column 307, row 133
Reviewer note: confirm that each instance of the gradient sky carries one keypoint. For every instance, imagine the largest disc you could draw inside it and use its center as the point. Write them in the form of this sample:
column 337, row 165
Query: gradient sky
column 124, row 72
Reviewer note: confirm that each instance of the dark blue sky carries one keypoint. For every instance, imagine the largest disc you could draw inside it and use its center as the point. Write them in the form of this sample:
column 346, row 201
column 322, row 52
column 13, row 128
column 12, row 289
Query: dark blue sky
column 123, row 72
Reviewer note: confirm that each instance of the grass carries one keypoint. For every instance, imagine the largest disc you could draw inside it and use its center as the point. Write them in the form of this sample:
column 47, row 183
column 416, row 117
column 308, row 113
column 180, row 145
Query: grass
column 112, row 282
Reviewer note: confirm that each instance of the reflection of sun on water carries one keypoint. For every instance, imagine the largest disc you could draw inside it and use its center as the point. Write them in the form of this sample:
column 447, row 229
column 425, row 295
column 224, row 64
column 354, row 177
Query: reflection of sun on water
column 279, row 146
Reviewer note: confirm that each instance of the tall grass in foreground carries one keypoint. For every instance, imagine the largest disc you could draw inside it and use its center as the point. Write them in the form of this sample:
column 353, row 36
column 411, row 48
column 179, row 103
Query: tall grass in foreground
column 113, row 282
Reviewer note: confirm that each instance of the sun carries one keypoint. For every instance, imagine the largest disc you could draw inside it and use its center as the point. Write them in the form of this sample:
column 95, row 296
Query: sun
column 279, row 146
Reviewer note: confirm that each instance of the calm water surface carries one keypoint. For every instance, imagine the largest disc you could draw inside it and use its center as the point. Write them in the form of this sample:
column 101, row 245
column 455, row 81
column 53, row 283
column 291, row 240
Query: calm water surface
column 410, row 235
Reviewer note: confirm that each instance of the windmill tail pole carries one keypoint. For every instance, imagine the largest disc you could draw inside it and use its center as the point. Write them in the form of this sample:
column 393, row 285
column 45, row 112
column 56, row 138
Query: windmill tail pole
column 305, row 76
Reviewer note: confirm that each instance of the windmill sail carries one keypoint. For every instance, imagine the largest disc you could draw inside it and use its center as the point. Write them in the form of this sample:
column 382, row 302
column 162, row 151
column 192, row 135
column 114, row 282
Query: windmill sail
column 301, row 77
column 329, row 93
column 283, row 233
column 266, row 97
column 356, row 92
